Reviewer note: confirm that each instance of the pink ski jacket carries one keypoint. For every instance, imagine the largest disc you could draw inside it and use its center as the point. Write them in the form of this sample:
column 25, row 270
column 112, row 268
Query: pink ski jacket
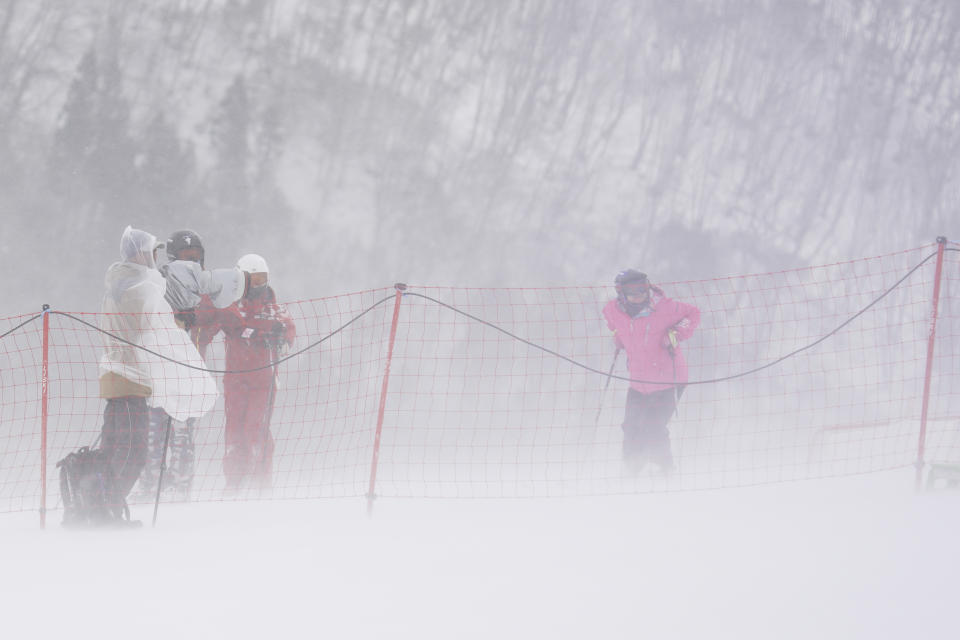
column 646, row 342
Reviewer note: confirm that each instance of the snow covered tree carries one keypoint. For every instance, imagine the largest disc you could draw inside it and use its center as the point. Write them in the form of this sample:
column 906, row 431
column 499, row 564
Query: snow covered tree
column 75, row 135
column 112, row 171
column 92, row 160
column 229, row 180
column 269, row 144
column 166, row 172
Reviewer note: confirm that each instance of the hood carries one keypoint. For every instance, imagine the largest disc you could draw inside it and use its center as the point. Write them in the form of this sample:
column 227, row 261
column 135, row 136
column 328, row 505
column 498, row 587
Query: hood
column 136, row 262
column 137, row 246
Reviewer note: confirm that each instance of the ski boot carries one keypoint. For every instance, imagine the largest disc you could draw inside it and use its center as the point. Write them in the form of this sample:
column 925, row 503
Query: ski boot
column 182, row 460
column 147, row 484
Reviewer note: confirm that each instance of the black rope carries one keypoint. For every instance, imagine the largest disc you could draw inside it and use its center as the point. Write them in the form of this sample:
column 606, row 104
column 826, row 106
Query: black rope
column 501, row 330
column 22, row 324
column 710, row 381
column 266, row 366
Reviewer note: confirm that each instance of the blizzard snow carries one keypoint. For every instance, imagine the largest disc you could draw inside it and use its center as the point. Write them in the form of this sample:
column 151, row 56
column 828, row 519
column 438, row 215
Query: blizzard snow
column 523, row 144
column 861, row 557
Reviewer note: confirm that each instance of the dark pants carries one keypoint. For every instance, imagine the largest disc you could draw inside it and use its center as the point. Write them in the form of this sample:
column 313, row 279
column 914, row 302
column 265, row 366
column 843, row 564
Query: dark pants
column 645, row 435
column 126, row 425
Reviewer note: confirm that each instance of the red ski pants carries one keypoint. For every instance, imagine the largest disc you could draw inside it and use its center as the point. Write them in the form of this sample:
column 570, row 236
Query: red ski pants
column 248, row 454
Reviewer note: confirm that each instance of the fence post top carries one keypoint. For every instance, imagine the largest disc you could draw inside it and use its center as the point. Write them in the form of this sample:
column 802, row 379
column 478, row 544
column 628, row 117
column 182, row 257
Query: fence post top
column 45, row 308
column 400, row 286
column 941, row 239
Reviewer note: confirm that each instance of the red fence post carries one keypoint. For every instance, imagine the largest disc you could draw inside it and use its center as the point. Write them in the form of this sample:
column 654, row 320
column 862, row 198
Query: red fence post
column 44, row 379
column 400, row 287
column 931, row 340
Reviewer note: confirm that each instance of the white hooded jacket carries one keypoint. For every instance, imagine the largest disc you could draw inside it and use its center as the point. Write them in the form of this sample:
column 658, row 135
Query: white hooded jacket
column 134, row 309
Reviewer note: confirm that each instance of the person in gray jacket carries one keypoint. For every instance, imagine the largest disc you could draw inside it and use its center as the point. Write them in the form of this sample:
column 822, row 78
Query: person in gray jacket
column 188, row 282
column 188, row 286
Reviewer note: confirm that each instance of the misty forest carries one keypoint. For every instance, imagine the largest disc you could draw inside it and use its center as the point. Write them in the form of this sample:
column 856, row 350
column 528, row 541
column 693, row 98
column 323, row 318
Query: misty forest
column 527, row 143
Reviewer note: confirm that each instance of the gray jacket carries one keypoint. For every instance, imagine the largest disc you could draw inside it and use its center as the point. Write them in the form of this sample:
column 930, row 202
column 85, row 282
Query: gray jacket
column 187, row 281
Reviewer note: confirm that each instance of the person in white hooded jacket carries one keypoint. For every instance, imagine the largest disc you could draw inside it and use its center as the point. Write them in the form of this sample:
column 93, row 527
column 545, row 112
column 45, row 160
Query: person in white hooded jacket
column 147, row 370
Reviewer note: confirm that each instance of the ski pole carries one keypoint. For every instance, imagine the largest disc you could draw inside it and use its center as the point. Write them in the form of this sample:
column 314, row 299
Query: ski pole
column 676, row 396
column 672, row 335
column 268, row 415
column 603, row 394
column 163, row 465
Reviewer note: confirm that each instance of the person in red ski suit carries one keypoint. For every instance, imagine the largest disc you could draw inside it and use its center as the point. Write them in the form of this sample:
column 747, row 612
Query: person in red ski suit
column 650, row 326
column 256, row 329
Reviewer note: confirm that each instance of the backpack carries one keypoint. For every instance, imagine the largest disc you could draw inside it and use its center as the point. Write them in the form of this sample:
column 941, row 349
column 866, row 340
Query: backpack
column 87, row 488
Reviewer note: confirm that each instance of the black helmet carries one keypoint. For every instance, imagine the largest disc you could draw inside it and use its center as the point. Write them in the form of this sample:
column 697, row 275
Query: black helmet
column 181, row 240
column 629, row 275
column 633, row 282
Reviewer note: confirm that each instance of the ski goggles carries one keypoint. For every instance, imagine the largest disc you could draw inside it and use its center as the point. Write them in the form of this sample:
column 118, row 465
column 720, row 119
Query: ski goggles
column 635, row 289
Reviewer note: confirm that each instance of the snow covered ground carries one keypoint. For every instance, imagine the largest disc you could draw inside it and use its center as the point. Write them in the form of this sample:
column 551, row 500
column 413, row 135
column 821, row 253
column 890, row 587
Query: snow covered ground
column 847, row 558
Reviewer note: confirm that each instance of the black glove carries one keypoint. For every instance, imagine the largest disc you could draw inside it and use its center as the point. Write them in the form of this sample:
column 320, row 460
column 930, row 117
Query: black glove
column 186, row 319
column 275, row 337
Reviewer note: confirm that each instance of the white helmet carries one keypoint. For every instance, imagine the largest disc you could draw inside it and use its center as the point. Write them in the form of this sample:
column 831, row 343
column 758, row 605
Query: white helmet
column 253, row 263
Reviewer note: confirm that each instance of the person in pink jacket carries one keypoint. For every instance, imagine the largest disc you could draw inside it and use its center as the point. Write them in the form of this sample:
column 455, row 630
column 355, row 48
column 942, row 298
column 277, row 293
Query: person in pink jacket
column 650, row 326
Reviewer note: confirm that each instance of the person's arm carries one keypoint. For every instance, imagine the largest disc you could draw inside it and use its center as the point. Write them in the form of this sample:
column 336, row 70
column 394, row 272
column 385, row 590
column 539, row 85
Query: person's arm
column 608, row 314
column 262, row 324
column 689, row 320
column 183, row 392
column 289, row 328
column 223, row 286
column 183, row 291
column 208, row 323
column 273, row 325
column 617, row 342
column 686, row 318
